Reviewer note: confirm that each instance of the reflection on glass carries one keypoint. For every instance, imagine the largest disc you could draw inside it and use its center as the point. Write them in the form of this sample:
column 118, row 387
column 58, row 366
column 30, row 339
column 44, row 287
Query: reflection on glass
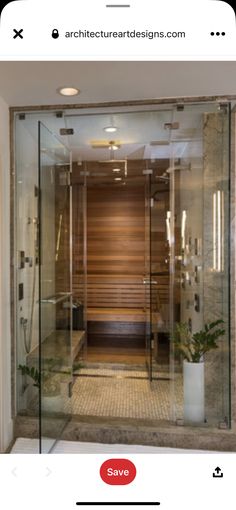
column 55, row 287
column 200, row 261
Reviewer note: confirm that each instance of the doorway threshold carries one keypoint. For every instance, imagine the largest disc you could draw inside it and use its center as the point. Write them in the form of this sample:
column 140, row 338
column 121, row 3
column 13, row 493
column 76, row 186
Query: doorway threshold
column 113, row 431
column 26, row 445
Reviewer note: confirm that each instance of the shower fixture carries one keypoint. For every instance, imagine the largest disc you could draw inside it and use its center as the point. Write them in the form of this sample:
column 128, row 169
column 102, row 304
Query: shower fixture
column 164, row 177
column 21, row 259
column 186, row 167
column 24, row 324
column 29, row 260
column 32, row 220
column 111, row 128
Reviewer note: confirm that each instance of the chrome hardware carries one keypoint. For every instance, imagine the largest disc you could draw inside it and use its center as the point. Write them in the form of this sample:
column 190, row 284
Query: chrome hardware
column 21, row 259
column 58, row 298
column 23, row 322
column 146, row 281
column 171, row 125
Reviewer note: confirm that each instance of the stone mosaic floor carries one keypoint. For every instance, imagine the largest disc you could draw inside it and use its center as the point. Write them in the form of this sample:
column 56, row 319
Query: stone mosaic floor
column 124, row 394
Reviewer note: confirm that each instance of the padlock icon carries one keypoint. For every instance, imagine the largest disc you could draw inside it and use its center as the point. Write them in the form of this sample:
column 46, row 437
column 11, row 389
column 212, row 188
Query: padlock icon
column 55, row 33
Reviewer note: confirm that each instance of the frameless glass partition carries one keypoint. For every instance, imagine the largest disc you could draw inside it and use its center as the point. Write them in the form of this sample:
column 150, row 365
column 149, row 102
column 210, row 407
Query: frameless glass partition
column 55, row 295
column 199, row 264
column 159, row 203
column 55, row 244
column 155, row 249
column 26, row 271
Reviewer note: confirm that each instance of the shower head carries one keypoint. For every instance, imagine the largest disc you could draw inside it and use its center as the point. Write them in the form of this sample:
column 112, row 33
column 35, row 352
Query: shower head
column 34, row 220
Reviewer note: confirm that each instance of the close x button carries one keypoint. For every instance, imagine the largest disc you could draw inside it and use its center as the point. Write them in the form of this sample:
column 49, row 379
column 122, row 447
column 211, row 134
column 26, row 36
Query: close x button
column 18, row 33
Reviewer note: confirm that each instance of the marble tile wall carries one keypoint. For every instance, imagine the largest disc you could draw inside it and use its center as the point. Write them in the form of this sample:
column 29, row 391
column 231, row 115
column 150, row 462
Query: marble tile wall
column 216, row 279
column 233, row 269
column 26, row 212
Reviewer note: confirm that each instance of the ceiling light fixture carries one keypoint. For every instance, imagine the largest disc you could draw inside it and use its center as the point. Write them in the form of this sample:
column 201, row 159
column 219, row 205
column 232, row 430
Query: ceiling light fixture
column 110, row 129
column 116, row 170
column 117, row 179
column 68, row 91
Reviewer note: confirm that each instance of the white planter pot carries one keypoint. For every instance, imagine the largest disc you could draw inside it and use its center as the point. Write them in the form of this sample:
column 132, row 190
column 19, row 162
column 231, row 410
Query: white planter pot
column 194, row 409
column 52, row 404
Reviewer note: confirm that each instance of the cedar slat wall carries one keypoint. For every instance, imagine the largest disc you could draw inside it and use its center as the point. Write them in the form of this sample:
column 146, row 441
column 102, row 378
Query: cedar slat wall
column 78, row 266
column 115, row 246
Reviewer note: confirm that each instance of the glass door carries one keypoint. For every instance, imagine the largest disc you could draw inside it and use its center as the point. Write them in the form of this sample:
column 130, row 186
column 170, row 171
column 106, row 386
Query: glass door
column 199, row 264
column 55, row 296
column 147, row 277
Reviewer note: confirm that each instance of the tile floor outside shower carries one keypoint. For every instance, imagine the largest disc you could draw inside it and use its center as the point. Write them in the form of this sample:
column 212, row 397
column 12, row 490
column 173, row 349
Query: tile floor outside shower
column 31, row 446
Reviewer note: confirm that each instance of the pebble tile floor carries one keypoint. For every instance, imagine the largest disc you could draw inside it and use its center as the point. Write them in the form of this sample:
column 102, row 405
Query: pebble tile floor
column 124, row 394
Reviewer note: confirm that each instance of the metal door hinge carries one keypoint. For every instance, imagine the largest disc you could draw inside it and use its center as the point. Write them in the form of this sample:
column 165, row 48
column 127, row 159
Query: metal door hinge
column 171, row 125
column 223, row 107
column 66, row 131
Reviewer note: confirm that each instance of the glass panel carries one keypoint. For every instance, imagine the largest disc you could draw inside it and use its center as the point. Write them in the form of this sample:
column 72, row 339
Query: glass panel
column 26, row 269
column 147, row 278
column 199, row 265
column 79, row 280
column 159, row 249
column 55, row 287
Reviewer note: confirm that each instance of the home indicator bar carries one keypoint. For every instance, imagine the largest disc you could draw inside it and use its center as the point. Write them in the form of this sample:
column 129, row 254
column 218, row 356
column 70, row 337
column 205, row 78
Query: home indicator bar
column 123, row 503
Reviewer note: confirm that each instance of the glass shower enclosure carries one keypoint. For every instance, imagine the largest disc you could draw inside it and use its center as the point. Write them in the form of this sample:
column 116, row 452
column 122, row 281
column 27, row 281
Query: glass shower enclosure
column 55, row 289
column 186, row 171
column 43, row 296
column 198, row 224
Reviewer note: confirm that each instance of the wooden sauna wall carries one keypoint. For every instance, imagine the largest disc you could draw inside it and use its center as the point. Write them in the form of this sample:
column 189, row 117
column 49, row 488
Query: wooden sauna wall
column 78, row 245
column 115, row 246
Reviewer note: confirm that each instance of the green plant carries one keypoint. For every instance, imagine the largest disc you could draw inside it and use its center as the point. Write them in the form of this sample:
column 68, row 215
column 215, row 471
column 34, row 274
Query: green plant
column 34, row 373
column 31, row 372
column 77, row 366
column 193, row 346
column 49, row 378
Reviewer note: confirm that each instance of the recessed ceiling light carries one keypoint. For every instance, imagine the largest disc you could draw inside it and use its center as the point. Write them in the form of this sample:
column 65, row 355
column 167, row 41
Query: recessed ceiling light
column 116, row 170
column 110, row 129
column 117, row 179
column 68, row 91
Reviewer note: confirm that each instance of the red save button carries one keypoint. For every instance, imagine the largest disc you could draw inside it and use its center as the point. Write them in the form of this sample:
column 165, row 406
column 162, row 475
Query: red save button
column 118, row 471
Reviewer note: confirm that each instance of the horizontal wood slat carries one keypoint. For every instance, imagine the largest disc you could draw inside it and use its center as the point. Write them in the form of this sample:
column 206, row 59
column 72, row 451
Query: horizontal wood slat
column 116, row 254
column 115, row 247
